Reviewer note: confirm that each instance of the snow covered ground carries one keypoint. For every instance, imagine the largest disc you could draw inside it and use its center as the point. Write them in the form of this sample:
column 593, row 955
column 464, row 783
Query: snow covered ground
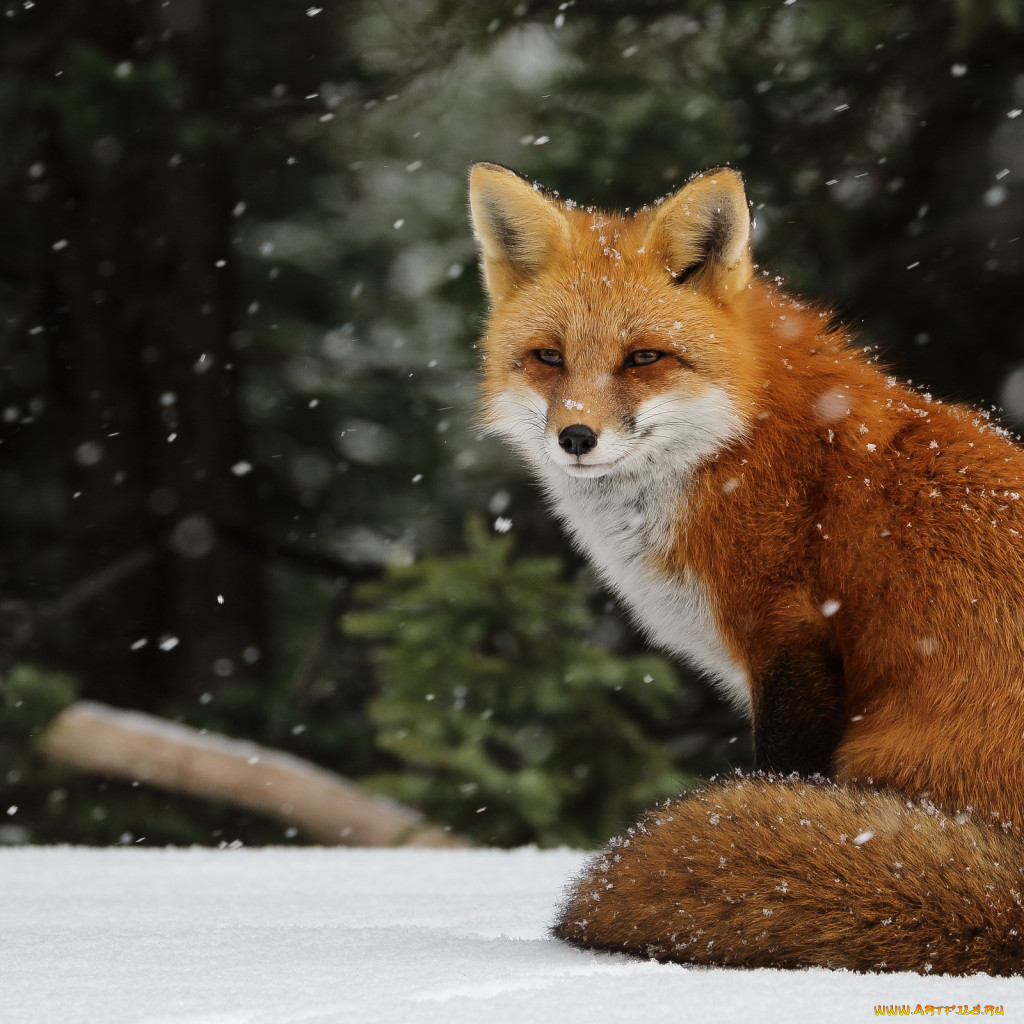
column 306, row 936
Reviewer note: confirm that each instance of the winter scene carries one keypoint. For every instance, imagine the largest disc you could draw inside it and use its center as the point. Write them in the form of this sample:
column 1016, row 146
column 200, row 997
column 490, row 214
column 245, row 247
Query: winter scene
column 513, row 511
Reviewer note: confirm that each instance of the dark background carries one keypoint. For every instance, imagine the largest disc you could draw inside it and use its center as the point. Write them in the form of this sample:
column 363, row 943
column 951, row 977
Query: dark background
column 238, row 305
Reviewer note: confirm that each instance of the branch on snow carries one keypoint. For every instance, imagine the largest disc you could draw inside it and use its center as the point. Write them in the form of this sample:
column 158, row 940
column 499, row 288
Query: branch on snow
column 130, row 745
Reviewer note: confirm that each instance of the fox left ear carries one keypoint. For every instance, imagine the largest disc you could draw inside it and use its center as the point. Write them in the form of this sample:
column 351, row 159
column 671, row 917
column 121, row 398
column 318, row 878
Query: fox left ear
column 703, row 230
column 519, row 227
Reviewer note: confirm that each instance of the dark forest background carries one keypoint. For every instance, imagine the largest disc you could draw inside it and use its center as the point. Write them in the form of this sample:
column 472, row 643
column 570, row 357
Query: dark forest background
column 242, row 484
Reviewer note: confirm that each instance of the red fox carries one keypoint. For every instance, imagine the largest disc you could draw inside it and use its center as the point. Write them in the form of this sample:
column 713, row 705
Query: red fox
column 842, row 554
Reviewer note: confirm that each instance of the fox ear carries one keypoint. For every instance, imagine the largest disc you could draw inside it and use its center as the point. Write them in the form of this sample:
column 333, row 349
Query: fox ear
column 703, row 230
column 518, row 227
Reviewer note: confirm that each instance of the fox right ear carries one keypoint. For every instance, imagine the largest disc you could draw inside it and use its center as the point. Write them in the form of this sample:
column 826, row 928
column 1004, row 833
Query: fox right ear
column 518, row 227
column 703, row 231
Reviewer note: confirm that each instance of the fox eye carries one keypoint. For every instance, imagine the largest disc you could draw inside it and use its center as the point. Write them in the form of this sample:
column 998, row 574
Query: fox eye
column 643, row 357
column 549, row 356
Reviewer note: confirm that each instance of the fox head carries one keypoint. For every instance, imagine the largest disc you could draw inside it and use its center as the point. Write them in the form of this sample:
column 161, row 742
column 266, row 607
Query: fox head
column 611, row 346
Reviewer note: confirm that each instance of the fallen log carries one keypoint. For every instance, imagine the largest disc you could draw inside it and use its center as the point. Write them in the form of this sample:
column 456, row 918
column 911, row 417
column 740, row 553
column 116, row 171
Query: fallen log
column 328, row 808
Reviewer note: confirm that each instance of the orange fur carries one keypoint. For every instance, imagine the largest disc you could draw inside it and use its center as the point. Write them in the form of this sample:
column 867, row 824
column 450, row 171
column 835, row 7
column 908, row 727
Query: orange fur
column 768, row 873
column 847, row 558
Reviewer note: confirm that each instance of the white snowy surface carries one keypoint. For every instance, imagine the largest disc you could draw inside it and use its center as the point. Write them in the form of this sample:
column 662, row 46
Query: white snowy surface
column 305, row 936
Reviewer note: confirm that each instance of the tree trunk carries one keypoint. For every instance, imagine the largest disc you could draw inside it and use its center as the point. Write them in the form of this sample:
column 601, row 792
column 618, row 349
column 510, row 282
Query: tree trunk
column 140, row 308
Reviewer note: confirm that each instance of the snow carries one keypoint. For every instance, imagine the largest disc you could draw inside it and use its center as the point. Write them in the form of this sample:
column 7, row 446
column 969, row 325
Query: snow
column 312, row 936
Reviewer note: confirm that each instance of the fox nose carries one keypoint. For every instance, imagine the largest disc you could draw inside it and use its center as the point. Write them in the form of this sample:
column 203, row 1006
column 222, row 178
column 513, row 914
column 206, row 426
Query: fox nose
column 577, row 439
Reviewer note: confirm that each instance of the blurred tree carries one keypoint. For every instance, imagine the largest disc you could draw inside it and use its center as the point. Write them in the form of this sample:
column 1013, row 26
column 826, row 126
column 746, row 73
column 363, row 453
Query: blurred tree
column 127, row 280
column 511, row 724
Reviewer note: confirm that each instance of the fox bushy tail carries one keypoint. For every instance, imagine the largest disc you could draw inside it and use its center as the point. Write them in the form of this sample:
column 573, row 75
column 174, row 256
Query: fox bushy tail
column 760, row 871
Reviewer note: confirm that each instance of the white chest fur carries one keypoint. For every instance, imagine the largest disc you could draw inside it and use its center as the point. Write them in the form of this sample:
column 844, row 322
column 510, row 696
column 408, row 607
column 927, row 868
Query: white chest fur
column 622, row 525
